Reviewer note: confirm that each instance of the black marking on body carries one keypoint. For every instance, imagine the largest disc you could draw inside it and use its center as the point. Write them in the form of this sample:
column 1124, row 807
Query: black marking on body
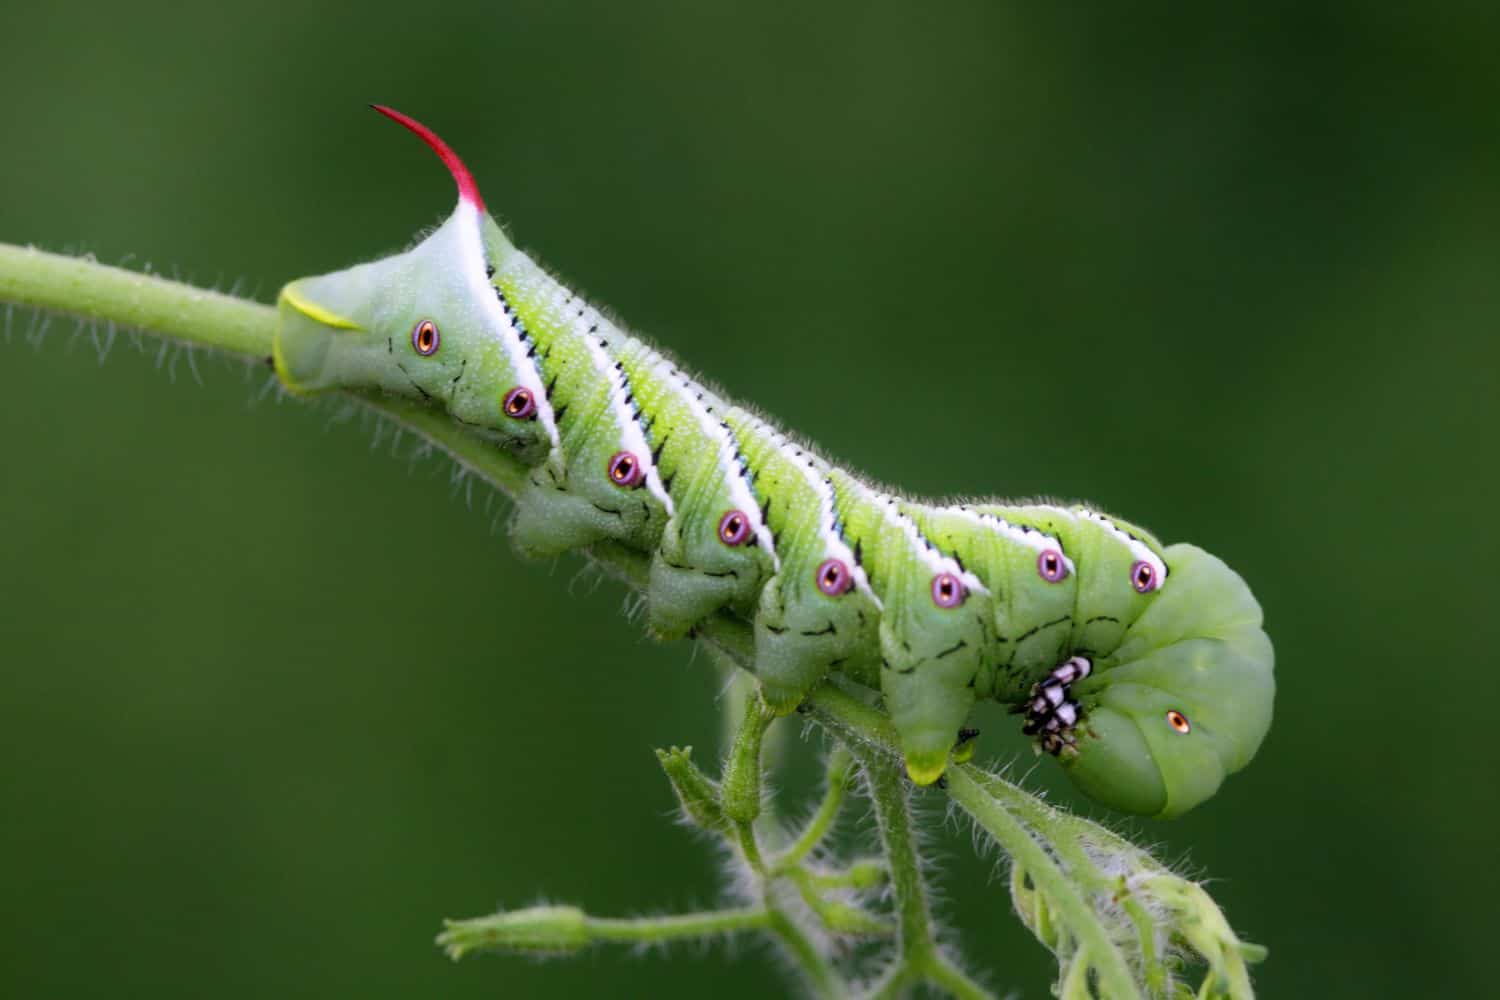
column 629, row 399
column 1102, row 618
column 885, row 664
column 1033, row 631
column 828, row 629
column 608, row 510
column 894, row 506
column 426, row 396
column 776, row 629
column 960, row 644
column 738, row 455
column 462, row 367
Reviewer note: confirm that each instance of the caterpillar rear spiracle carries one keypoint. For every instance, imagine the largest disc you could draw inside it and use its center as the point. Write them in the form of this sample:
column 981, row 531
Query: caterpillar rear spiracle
column 1143, row 668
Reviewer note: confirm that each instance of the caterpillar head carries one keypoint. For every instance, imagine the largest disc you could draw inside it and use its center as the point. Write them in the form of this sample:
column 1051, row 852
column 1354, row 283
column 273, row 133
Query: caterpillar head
column 427, row 323
column 1185, row 699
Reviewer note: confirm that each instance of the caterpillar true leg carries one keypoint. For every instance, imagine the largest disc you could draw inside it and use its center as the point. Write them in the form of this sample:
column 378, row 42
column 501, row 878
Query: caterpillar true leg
column 1050, row 709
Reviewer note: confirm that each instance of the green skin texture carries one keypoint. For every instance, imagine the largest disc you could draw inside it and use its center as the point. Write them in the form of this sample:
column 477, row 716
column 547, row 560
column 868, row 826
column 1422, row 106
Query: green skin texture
column 1194, row 645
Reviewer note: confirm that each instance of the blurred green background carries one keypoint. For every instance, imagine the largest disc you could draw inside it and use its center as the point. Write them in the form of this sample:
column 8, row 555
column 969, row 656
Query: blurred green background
column 273, row 702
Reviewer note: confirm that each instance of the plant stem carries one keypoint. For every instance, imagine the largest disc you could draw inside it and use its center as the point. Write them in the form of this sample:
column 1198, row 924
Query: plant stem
column 888, row 793
column 1065, row 833
column 809, row 960
column 863, row 874
column 953, row 979
column 920, row 956
column 559, row 930
column 50, row 281
column 837, row 776
column 964, row 785
column 677, row 925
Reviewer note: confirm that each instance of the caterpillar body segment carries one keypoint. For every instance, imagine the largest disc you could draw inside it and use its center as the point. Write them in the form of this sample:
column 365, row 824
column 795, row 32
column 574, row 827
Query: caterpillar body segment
column 717, row 551
column 932, row 624
column 1030, row 625
column 1107, row 596
column 1145, row 670
column 603, row 484
column 818, row 612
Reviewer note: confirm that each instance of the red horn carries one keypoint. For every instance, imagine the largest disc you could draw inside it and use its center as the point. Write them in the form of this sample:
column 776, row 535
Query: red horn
column 467, row 189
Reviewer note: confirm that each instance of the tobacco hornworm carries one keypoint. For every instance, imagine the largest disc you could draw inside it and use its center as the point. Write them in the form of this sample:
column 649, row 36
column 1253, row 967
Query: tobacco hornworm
column 1143, row 668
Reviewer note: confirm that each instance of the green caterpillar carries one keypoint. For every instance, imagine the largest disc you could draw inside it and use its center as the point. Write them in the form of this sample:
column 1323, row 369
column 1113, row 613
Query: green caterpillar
column 1144, row 669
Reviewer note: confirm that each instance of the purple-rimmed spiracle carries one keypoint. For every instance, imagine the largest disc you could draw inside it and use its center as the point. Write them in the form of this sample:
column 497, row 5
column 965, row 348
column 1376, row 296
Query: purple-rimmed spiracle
column 1050, row 566
column 625, row 469
column 834, row 578
column 948, row 591
column 425, row 338
column 734, row 528
column 1143, row 577
column 519, row 404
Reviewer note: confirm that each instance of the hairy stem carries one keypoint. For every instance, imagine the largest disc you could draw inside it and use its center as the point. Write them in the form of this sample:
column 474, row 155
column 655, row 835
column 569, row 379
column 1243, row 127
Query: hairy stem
column 560, row 930
column 870, row 739
column 964, row 785
column 892, row 812
column 1065, row 833
column 677, row 925
column 812, row 835
column 94, row 291
column 820, row 974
